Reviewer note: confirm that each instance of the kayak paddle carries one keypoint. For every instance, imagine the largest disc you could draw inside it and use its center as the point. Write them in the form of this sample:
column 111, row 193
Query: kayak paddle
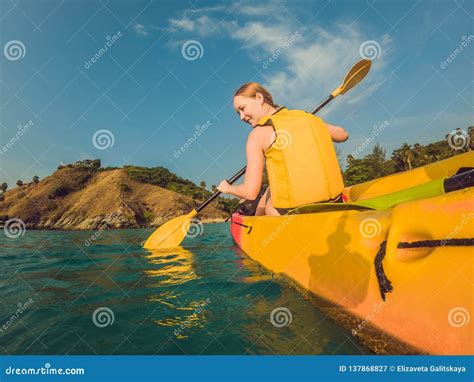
column 173, row 232
column 352, row 78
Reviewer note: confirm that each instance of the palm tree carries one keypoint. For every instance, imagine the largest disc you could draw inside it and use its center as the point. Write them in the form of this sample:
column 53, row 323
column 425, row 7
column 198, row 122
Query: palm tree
column 417, row 154
column 36, row 179
column 214, row 189
column 407, row 155
column 4, row 187
column 19, row 183
column 470, row 132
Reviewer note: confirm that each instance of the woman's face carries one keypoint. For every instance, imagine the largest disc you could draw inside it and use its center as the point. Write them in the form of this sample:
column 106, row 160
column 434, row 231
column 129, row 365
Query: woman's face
column 250, row 109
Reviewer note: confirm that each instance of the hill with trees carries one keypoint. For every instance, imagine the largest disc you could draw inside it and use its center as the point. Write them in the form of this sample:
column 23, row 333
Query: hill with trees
column 83, row 195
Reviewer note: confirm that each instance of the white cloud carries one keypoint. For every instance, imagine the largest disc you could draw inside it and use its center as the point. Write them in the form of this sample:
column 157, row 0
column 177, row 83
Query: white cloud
column 140, row 30
column 184, row 24
column 202, row 25
column 305, row 70
column 314, row 64
column 260, row 10
column 260, row 36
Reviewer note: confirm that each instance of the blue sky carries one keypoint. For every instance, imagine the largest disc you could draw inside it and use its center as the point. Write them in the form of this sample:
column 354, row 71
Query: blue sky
column 150, row 93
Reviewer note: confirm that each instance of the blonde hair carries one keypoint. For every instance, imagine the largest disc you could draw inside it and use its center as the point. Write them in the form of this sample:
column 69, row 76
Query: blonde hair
column 250, row 89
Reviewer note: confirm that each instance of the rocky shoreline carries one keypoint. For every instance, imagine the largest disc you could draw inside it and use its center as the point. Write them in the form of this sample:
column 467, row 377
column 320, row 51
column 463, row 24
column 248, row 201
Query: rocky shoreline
column 94, row 224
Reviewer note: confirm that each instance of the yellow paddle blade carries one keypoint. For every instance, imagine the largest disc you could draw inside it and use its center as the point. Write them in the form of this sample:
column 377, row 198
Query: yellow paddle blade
column 353, row 77
column 170, row 234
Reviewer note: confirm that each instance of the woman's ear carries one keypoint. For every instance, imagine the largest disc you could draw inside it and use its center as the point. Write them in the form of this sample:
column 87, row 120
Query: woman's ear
column 259, row 98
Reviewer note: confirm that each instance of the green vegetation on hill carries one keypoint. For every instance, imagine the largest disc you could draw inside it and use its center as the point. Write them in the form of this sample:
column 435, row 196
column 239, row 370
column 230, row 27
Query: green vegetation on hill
column 375, row 164
column 76, row 181
column 92, row 164
column 162, row 177
column 158, row 176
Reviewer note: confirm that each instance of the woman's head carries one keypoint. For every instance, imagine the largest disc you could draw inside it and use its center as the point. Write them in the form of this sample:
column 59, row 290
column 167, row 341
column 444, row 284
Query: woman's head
column 252, row 102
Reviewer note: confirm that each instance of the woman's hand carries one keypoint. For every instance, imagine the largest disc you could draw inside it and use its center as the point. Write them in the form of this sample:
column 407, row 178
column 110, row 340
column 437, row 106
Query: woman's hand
column 338, row 134
column 224, row 187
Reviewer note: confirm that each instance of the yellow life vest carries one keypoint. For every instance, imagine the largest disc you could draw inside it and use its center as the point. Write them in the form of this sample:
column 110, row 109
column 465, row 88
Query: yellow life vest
column 301, row 163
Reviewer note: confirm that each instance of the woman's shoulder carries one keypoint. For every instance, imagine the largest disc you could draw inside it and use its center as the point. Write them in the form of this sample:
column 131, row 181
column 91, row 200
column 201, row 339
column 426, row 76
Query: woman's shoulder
column 261, row 131
column 261, row 135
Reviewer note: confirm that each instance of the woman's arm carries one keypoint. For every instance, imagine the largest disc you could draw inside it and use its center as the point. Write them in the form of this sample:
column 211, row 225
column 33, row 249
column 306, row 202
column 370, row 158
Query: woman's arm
column 338, row 134
column 250, row 188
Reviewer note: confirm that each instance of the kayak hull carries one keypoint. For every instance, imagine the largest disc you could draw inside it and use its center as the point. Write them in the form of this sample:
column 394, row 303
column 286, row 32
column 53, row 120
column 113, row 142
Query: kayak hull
column 349, row 257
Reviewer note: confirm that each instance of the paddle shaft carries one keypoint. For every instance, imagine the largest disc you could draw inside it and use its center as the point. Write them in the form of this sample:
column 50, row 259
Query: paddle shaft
column 329, row 99
column 242, row 171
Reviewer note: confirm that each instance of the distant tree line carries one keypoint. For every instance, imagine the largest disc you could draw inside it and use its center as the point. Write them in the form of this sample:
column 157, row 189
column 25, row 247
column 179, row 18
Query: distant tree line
column 375, row 164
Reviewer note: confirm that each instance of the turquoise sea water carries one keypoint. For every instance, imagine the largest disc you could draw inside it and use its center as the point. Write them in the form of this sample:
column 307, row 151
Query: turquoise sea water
column 61, row 296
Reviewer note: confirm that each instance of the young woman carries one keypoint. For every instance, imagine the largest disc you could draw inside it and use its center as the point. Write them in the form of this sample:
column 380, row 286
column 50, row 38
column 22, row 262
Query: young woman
column 297, row 148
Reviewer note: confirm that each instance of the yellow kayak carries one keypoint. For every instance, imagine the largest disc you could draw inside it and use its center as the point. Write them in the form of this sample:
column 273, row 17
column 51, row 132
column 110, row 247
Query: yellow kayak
column 398, row 257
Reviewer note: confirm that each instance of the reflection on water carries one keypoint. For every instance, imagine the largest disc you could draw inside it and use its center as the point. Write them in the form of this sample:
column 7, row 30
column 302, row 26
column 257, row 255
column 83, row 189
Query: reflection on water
column 204, row 298
column 175, row 266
